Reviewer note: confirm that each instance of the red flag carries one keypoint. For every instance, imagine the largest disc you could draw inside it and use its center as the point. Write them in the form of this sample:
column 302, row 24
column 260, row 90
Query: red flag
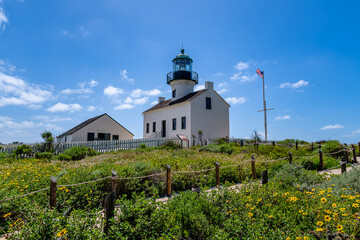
column 260, row 73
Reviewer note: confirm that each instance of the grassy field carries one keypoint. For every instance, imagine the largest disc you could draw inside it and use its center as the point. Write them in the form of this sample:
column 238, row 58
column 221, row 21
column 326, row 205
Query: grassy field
column 291, row 205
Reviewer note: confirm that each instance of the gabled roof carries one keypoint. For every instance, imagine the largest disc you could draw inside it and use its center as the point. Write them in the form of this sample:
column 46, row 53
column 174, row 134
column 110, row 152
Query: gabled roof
column 87, row 122
column 169, row 102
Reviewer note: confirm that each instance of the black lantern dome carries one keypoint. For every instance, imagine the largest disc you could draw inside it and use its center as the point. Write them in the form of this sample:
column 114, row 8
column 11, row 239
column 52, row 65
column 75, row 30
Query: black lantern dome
column 182, row 69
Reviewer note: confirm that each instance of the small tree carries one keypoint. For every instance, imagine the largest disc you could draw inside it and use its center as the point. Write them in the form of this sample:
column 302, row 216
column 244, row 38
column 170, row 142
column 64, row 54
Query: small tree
column 48, row 145
column 255, row 136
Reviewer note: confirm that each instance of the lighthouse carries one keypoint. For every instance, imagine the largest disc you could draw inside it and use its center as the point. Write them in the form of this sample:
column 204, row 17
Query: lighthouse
column 187, row 113
column 182, row 79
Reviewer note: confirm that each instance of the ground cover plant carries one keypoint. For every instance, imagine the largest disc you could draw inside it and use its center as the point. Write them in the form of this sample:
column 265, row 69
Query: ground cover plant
column 26, row 175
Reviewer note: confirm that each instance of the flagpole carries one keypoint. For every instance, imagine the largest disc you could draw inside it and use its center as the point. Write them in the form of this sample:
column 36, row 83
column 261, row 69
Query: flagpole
column 264, row 102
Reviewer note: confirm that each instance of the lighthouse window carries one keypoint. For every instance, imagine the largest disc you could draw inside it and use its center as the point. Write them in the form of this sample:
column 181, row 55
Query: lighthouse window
column 174, row 124
column 208, row 103
column 154, row 126
column 174, row 93
column 183, row 123
column 147, row 127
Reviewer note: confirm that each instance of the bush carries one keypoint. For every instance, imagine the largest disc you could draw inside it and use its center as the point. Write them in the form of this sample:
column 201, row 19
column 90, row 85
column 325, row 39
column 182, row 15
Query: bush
column 64, row 157
column 228, row 148
column 170, row 145
column 348, row 183
column 295, row 175
column 43, row 155
column 23, row 151
column 77, row 153
column 332, row 146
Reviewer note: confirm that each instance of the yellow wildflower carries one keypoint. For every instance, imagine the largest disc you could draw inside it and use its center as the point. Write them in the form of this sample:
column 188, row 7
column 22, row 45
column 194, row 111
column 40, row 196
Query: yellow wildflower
column 320, row 223
column 323, row 200
column 62, row 232
column 339, row 227
column 6, row 215
column 334, row 205
column 250, row 214
column 327, row 218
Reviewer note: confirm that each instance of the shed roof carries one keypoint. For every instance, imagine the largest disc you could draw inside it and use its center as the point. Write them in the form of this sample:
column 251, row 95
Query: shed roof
column 87, row 122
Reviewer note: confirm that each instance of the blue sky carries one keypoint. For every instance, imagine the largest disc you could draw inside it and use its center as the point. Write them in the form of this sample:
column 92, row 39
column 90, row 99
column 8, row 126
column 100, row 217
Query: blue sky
column 62, row 62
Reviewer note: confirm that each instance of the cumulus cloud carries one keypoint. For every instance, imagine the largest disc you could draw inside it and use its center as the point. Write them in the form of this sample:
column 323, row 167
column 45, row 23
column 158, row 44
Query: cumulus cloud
column 329, row 127
column 8, row 123
column 236, row 100
column 241, row 66
column 113, row 91
column 63, row 107
column 15, row 91
column 52, row 119
column 299, row 84
column 124, row 76
column 285, row 117
column 6, row 67
column 149, row 93
column 243, row 77
column 218, row 74
column 222, row 91
column 93, row 108
column 136, row 101
column 154, row 102
column 124, row 106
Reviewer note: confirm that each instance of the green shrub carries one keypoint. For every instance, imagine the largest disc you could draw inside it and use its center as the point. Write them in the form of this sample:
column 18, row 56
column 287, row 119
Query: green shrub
column 78, row 153
column 23, row 151
column 43, row 155
column 332, row 146
column 348, row 183
column 295, row 175
column 170, row 145
column 142, row 146
column 64, row 157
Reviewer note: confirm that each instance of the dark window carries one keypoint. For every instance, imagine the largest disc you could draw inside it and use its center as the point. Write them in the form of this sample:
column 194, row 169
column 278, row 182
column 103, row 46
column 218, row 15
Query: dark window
column 65, row 139
column 103, row 136
column 163, row 129
column 174, row 124
column 91, row 136
column 183, row 123
column 154, row 126
column 147, row 127
column 115, row 137
column 208, row 103
column 174, row 93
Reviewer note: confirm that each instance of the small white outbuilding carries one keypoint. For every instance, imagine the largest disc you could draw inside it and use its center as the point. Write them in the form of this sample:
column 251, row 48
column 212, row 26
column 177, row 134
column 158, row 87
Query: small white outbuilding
column 99, row 128
column 187, row 113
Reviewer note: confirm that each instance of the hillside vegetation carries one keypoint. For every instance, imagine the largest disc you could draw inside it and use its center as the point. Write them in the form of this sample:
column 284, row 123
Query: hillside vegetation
column 296, row 203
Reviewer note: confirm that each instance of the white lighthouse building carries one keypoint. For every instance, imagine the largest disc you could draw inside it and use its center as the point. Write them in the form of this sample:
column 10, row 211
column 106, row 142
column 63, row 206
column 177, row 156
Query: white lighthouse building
column 187, row 113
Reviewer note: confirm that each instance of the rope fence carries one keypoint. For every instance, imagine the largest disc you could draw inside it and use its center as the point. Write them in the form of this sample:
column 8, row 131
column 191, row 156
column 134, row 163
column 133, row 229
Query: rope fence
column 53, row 186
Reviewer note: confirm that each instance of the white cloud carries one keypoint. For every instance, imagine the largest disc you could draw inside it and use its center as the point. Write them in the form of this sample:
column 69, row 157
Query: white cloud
column 113, row 91
column 15, row 91
column 93, row 108
column 241, row 66
column 357, row 131
column 222, row 91
column 124, row 106
column 125, row 77
column 299, row 84
column 63, row 107
column 3, row 19
column 8, row 123
column 85, row 88
column 235, row 100
column 137, row 101
column 328, row 127
column 223, row 85
column 199, row 87
column 285, row 117
column 154, row 102
column 244, row 78
column 149, row 93
column 6, row 67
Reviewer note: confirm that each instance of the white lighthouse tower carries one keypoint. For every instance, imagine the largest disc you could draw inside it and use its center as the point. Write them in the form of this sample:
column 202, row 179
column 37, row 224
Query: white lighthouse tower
column 182, row 79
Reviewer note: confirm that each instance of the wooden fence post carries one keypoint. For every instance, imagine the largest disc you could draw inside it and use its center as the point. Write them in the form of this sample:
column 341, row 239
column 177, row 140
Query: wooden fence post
column 273, row 143
column 113, row 181
column 109, row 210
column 321, row 160
column 354, row 153
column 312, row 146
column 53, row 188
column 168, row 180
column 359, row 146
column 346, row 154
column 320, row 145
column 253, row 170
column 296, row 145
column 217, row 170
column 343, row 167
column 265, row 177
column 242, row 143
column 290, row 157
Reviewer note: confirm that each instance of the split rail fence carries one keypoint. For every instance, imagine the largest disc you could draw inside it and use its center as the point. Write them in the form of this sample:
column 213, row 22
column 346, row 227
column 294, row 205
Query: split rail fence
column 111, row 198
